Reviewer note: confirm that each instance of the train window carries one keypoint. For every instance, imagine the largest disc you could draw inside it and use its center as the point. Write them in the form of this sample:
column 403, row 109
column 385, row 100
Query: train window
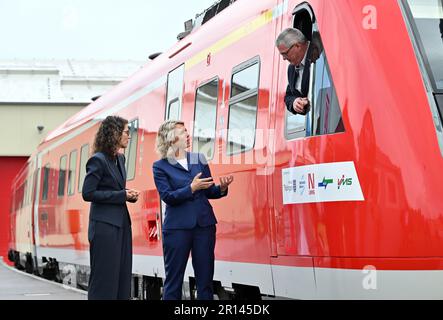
column 131, row 150
column 295, row 125
column 174, row 110
column 325, row 115
column 62, row 176
column 71, row 171
column 245, row 80
column 425, row 26
column 84, row 156
column 242, row 117
column 205, row 117
column 174, row 93
column 45, row 190
column 426, row 17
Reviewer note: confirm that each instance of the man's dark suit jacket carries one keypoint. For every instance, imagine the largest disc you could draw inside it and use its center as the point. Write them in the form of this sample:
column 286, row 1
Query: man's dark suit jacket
column 105, row 188
column 291, row 92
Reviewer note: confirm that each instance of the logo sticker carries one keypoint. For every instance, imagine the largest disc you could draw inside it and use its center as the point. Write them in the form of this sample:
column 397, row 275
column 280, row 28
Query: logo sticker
column 326, row 182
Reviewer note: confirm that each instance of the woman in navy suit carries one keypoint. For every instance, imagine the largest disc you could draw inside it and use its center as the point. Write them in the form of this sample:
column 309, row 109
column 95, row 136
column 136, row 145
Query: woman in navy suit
column 184, row 183
column 109, row 233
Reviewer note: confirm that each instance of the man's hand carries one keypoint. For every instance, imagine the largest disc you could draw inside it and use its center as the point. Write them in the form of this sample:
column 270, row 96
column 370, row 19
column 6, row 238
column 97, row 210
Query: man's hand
column 132, row 195
column 301, row 105
column 200, row 184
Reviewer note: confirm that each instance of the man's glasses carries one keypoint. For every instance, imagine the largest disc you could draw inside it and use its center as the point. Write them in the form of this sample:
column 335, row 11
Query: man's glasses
column 127, row 132
column 285, row 53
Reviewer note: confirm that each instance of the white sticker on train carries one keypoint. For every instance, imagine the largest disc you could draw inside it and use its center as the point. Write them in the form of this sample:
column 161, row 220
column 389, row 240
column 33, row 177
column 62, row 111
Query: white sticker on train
column 324, row 182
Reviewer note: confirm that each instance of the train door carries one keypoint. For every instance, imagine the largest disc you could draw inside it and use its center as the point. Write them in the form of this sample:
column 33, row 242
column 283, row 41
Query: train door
column 35, row 205
column 173, row 111
column 301, row 144
column 33, row 177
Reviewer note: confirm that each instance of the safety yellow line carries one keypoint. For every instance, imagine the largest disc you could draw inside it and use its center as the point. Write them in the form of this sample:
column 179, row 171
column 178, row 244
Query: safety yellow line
column 231, row 38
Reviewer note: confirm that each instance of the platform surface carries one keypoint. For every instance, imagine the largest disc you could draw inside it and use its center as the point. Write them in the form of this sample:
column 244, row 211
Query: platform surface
column 17, row 285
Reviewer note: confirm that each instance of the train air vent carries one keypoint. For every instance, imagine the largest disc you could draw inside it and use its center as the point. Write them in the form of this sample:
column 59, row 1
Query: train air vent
column 154, row 55
column 211, row 12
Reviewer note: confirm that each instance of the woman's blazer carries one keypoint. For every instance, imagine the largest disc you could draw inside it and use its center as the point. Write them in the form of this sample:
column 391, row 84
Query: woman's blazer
column 184, row 209
column 105, row 188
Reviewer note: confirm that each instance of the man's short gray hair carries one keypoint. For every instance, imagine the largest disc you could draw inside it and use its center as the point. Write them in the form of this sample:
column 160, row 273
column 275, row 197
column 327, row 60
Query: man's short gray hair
column 289, row 37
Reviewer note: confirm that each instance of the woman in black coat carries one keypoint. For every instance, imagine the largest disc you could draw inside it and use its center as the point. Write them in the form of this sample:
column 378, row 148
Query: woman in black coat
column 109, row 233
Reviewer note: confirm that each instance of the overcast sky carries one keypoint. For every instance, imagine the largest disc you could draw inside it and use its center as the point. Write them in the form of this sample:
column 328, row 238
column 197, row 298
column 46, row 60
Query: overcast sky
column 92, row 29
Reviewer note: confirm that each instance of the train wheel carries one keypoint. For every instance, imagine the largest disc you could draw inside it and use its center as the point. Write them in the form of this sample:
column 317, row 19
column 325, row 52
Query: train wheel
column 29, row 264
column 152, row 288
column 243, row 292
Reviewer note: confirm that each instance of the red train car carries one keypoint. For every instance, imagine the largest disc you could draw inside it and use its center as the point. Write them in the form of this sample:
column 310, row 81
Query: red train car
column 341, row 203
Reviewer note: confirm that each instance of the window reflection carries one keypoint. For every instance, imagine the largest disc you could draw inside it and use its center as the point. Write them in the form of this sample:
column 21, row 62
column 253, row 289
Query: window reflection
column 174, row 110
column 62, row 176
column 71, row 172
column 325, row 115
column 174, row 93
column 45, row 191
column 245, row 80
column 205, row 119
column 84, row 155
column 242, row 119
column 428, row 19
column 131, row 150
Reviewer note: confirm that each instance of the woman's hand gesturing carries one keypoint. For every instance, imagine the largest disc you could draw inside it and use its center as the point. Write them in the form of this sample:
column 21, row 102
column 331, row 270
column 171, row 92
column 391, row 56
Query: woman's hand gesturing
column 200, row 184
column 225, row 182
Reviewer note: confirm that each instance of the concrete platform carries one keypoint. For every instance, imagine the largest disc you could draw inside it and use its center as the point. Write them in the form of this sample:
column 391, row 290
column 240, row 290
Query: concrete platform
column 17, row 285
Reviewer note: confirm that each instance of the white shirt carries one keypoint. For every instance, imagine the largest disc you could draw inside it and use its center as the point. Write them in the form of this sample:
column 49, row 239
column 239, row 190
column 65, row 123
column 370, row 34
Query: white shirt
column 300, row 71
column 184, row 163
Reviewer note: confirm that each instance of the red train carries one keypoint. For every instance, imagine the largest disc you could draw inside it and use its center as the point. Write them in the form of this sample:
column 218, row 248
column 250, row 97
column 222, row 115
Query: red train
column 341, row 203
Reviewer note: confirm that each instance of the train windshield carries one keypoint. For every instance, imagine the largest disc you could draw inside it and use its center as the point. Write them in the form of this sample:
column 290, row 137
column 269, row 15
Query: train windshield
column 427, row 21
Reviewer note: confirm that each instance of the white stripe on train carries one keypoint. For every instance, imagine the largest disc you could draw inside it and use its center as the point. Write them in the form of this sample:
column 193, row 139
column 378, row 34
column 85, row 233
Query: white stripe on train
column 294, row 282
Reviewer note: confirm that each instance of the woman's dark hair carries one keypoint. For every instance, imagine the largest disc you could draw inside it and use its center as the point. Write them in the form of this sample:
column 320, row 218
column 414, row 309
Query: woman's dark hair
column 109, row 134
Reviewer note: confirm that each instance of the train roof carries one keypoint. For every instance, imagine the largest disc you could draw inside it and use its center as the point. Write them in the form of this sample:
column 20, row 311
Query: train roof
column 206, row 29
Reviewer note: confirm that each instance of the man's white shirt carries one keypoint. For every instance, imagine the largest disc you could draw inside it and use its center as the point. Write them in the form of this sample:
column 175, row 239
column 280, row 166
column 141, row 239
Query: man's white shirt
column 300, row 71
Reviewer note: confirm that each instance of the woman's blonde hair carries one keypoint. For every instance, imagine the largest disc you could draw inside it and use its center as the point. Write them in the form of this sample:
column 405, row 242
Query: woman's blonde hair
column 166, row 138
